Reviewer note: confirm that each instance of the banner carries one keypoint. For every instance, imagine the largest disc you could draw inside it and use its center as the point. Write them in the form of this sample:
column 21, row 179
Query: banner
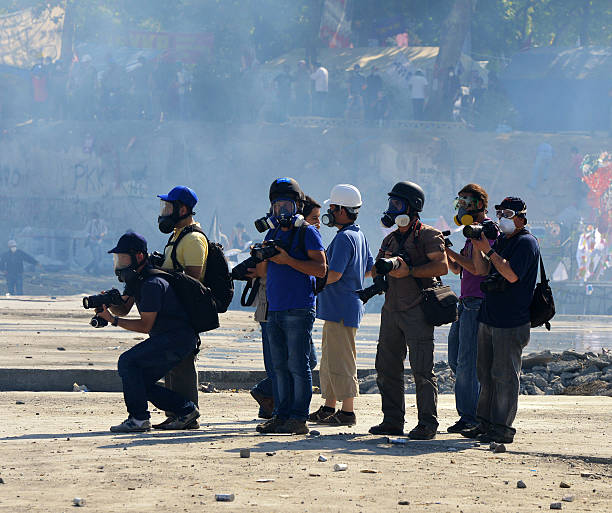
column 28, row 36
column 336, row 24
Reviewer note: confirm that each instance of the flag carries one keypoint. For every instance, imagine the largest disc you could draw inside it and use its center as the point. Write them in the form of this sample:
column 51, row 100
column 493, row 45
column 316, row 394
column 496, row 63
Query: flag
column 336, row 24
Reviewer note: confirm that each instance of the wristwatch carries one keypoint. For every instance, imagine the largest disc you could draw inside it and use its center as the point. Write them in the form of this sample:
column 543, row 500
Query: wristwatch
column 115, row 321
column 489, row 253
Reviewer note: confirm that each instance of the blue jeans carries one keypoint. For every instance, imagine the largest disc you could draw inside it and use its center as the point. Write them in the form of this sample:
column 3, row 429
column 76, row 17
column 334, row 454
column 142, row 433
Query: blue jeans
column 462, row 353
column 289, row 335
column 144, row 364
column 267, row 386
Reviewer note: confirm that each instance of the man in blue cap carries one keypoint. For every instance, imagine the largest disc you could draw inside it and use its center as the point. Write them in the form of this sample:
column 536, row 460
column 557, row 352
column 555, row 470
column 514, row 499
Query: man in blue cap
column 186, row 251
column 171, row 339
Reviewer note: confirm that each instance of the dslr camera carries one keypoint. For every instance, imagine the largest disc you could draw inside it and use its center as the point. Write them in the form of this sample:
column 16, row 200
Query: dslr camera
column 383, row 267
column 488, row 227
column 108, row 298
column 494, row 282
column 259, row 252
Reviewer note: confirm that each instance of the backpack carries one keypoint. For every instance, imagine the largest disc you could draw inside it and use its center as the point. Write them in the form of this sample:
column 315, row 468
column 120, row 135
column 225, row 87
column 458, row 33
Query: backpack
column 217, row 276
column 542, row 308
column 196, row 299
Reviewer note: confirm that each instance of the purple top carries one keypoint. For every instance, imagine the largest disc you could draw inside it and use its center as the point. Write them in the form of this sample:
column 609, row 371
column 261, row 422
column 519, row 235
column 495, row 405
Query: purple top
column 470, row 284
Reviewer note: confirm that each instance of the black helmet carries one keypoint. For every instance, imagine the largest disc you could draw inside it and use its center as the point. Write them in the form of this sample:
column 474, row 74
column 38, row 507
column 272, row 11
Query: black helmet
column 411, row 192
column 285, row 188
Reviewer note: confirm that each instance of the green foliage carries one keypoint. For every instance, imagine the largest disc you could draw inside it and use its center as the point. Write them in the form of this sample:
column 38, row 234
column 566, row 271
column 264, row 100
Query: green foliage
column 273, row 27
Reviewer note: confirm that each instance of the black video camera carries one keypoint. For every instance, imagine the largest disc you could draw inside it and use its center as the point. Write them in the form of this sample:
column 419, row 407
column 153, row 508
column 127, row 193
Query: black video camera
column 474, row 231
column 108, row 298
column 259, row 252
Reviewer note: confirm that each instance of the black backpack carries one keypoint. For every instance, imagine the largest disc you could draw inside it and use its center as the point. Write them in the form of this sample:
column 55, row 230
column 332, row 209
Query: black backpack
column 542, row 307
column 217, row 276
column 196, row 299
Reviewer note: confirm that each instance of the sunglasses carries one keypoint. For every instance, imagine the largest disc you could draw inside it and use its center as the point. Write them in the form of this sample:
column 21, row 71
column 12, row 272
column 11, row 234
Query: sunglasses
column 509, row 214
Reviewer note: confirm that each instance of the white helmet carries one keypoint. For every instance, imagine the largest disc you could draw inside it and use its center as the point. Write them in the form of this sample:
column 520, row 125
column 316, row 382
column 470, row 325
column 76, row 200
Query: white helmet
column 345, row 195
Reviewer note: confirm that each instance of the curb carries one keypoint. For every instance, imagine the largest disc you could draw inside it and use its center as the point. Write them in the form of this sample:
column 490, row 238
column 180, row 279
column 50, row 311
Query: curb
column 62, row 380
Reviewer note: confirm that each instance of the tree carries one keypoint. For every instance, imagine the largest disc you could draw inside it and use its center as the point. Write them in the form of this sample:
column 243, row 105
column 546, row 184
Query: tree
column 453, row 34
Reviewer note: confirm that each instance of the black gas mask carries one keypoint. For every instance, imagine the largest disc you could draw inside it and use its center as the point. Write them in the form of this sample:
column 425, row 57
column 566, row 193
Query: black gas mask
column 170, row 216
column 127, row 274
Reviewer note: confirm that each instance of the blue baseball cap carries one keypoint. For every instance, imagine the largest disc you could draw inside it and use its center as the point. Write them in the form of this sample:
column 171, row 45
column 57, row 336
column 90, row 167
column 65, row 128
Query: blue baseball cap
column 183, row 194
column 130, row 242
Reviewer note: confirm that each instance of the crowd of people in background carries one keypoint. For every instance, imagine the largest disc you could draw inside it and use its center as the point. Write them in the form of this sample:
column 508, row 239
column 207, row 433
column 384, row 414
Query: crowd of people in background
column 160, row 89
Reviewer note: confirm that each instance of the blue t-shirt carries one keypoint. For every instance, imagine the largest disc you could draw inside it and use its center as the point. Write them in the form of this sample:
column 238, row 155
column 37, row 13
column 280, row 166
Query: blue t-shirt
column 156, row 295
column 287, row 288
column 510, row 309
column 350, row 255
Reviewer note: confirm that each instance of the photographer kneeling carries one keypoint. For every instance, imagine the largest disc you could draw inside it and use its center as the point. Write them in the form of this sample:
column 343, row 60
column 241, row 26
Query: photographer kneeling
column 511, row 266
column 171, row 338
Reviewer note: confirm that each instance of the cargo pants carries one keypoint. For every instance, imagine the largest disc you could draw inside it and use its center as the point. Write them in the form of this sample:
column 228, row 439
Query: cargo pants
column 403, row 331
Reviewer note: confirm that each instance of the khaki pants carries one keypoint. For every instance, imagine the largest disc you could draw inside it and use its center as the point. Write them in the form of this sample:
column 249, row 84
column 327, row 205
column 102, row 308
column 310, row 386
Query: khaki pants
column 338, row 370
column 183, row 379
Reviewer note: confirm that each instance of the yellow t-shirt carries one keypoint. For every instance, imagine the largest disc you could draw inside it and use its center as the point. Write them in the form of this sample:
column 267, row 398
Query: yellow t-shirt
column 192, row 250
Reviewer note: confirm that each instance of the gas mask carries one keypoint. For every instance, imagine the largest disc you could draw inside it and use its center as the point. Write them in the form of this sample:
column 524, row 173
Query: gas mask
column 13, row 249
column 506, row 225
column 169, row 216
column 125, row 266
column 396, row 213
column 283, row 214
column 329, row 219
column 467, row 208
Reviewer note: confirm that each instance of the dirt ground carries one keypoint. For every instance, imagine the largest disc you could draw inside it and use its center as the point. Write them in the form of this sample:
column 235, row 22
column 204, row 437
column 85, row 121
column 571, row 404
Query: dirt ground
column 56, row 446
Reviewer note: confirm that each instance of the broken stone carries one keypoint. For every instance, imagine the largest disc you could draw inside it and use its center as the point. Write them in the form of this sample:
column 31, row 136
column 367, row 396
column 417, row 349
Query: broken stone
column 78, row 502
column 19, row 402
column 314, row 474
column 61, row 348
column 500, row 448
column 403, row 503
column 314, row 432
column 564, row 366
column 555, row 505
column 270, row 454
column 492, row 446
column 79, row 388
column 208, row 388
column 521, row 484
column 2, row 481
column 322, row 458
column 563, row 484
column 245, row 453
column 568, row 498
column 368, row 471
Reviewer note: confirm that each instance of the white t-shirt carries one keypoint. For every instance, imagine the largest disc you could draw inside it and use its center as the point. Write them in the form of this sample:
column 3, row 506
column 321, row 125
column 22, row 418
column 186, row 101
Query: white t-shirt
column 418, row 83
column 320, row 78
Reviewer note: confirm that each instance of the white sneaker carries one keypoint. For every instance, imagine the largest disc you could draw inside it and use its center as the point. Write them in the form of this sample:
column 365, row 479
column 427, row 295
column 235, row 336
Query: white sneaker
column 131, row 425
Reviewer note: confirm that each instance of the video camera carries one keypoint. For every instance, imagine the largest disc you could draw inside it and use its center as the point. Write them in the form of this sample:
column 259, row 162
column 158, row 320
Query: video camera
column 108, row 298
column 488, row 227
column 383, row 267
column 259, row 252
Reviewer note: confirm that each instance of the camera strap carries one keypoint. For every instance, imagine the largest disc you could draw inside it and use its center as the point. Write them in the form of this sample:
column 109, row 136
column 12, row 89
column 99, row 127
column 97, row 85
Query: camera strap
column 253, row 286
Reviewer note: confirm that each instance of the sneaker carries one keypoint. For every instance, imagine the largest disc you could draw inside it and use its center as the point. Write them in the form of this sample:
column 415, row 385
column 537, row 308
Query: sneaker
column 421, row 432
column 266, row 404
column 131, row 425
column 493, row 436
column 270, row 425
column 474, row 432
column 182, row 422
column 162, row 425
column 460, row 425
column 385, row 428
column 293, row 426
column 321, row 414
column 340, row 418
